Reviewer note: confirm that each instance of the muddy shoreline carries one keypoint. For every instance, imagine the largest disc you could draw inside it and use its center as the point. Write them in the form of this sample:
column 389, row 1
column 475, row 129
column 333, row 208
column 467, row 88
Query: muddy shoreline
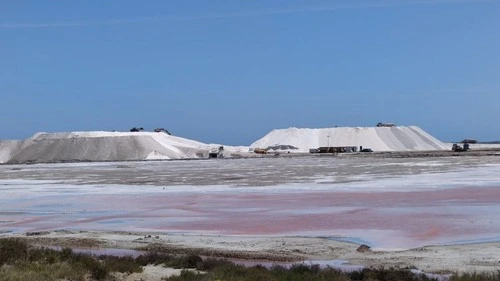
column 437, row 259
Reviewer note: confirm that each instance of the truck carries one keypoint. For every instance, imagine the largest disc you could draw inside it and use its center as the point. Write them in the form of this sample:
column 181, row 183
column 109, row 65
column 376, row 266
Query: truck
column 458, row 148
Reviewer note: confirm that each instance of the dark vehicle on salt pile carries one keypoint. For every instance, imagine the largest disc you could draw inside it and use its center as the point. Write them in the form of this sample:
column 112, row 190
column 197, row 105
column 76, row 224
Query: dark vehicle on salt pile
column 469, row 141
column 380, row 124
column 162, row 130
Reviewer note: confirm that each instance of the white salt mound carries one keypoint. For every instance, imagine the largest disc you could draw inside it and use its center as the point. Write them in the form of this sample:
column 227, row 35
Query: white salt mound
column 400, row 138
column 101, row 146
column 8, row 148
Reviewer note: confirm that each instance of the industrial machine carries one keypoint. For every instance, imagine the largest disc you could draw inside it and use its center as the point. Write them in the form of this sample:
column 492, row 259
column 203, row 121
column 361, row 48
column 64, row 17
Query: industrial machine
column 458, row 148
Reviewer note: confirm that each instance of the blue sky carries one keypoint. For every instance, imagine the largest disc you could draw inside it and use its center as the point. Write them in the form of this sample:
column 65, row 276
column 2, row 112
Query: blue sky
column 230, row 71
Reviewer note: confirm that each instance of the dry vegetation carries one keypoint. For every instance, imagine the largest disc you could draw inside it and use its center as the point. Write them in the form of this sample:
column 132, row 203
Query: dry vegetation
column 19, row 261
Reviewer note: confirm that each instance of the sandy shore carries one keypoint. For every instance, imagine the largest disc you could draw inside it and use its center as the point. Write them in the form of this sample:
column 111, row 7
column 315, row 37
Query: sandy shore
column 435, row 259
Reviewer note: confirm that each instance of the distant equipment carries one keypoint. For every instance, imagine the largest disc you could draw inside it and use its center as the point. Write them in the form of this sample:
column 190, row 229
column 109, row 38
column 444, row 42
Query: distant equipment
column 469, row 141
column 334, row 149
column 380, row 124
column 458, row 148
column 135, row 129
column 216, row 152
column 260, row 151
column 281, row 147
column 162, row 130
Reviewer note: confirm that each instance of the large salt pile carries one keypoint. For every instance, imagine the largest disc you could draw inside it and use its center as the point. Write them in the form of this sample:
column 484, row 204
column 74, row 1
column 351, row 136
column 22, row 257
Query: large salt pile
column 400, row 138
column 100, row 146
column 8, row 148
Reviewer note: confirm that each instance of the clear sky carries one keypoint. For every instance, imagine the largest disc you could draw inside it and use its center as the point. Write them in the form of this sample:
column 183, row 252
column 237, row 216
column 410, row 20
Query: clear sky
column 228, row 72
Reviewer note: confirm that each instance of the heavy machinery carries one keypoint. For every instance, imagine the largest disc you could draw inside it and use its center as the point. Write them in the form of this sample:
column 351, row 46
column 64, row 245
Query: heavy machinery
column 260, row 150
column 469, row 141
column 380, row 124
column 458, row 148
column 216, row 152
column 162, row 130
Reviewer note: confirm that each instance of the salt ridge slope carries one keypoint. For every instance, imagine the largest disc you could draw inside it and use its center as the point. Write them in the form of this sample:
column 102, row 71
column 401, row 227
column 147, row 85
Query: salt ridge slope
column 400, row 138
column 104, row 146
column 8, row 148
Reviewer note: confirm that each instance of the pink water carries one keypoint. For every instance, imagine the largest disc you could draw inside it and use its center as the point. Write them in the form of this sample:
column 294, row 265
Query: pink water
column 383, row 219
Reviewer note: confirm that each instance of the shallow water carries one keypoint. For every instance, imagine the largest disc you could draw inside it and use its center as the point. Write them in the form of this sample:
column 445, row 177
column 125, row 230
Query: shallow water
column 386, row 203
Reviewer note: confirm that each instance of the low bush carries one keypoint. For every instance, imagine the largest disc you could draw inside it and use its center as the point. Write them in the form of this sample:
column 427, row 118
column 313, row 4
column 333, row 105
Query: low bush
column 226, row 272
column 211, row 263
column 125, row 264
column 12, row 250
column 387, row 274
column 474, row 276
column 19, row 262
column 31, row 271
column 154, row 258
column 191, row 261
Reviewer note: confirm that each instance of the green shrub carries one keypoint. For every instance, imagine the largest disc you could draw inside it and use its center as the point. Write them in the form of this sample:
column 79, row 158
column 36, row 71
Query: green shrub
column 391, row 274
column 125, row 264
column 190, row 261
column 29, row 271
column 12, row 249
column 19, row 262
column 189, row 275
column 211, row 263
column 66, row 254
column 154, row 258
column 474, row 276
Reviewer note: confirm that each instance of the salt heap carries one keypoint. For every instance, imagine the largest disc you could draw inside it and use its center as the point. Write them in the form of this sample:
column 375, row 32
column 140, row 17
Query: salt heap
column 8, row 148
column 397, row 138
column 100, row 146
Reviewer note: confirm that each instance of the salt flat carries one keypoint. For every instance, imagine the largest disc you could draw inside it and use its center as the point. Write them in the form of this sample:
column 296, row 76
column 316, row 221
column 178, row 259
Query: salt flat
column 386, row 203
column 277, row 208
